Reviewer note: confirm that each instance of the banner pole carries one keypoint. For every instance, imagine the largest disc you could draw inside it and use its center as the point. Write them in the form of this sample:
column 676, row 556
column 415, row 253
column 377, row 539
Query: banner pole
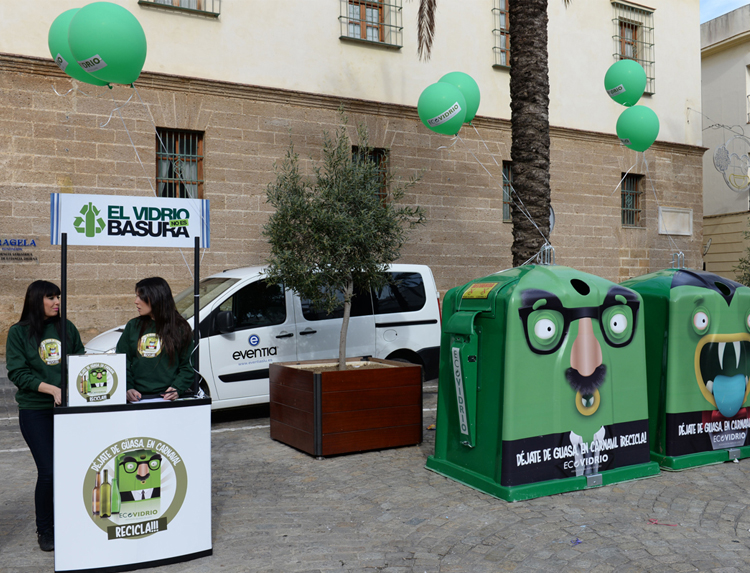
column 64, row 319
column 196, row 316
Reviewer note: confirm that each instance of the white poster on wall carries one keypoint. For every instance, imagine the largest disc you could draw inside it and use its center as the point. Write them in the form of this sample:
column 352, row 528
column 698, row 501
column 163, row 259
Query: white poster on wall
column 96, row 379
column 132, row 486
column 127, row 221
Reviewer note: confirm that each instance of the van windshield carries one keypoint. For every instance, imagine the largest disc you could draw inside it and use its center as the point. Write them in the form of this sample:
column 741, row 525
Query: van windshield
column 208, row 290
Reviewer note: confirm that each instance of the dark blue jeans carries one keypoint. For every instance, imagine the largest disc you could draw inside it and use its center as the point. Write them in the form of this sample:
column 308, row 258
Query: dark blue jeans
column 38, row 430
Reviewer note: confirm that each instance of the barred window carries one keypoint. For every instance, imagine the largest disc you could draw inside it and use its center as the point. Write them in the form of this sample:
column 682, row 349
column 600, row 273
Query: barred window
column 501, row 33
column 633, row 37
column 206, row 7
column 179, row 163
column 631, row 200
column 507, row 189
column 376, row 21
column 379, row 157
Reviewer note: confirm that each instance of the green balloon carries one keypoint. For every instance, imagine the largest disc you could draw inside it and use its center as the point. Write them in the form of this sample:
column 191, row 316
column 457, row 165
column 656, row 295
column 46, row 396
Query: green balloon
column 442, row 108
column 625, row 82
column 469, row 89
column 57, row 40
column 108, row 42
column 638, row 127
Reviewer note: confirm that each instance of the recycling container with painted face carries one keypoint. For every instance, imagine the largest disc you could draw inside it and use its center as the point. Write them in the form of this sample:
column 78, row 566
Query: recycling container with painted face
column 698, row 354
column 542, row 384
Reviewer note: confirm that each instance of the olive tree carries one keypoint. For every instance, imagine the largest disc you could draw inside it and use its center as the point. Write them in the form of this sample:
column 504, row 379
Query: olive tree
column 339, row 227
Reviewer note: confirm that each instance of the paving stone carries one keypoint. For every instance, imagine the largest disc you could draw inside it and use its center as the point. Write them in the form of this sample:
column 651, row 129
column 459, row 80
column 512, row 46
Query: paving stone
column 279, row 510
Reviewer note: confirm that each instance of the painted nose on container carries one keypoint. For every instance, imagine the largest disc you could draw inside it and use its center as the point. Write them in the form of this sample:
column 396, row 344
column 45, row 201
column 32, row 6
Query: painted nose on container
column 586, row 354
column 142, row 472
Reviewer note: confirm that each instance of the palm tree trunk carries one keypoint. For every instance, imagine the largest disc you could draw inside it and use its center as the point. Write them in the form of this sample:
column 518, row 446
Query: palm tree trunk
column 529, row 118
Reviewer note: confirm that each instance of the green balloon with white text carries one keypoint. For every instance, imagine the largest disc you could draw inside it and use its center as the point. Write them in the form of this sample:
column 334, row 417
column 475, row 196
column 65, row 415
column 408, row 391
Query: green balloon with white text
column 57, row 40
column 442, row 108
column 108, row 42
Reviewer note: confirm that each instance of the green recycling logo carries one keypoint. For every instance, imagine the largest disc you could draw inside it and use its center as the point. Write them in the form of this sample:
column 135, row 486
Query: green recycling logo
column 89, row 223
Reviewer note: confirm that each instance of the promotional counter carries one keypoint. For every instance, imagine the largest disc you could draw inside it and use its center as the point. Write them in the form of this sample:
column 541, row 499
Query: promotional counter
column 132, row 485
column 132, row 481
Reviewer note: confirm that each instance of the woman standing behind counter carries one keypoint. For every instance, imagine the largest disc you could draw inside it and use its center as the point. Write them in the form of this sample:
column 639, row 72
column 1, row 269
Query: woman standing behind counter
column 157, row 344
column 33, row 353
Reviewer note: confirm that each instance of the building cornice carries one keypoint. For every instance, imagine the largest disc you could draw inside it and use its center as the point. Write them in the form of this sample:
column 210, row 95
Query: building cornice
column 726, row 44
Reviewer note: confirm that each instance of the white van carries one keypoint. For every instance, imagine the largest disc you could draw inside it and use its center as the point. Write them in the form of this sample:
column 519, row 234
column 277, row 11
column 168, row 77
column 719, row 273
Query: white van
column 245, row 324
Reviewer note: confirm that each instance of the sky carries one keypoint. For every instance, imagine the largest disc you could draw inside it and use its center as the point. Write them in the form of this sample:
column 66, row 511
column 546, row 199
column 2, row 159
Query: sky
column 711, row 9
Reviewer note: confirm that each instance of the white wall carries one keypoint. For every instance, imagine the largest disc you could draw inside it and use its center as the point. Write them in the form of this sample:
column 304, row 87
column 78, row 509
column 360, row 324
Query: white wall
column 725, row 59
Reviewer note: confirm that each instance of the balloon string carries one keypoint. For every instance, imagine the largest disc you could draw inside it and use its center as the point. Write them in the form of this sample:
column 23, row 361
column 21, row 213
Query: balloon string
column 73, row 89
column 520, row 205
column 454, row 139
column 658, row 206
column 117, row 109
column 514, row 196
column 624, row 175
column 148, row 178
column 175, row 167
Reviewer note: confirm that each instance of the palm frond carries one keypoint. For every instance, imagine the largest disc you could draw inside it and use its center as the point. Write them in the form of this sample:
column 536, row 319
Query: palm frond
column 426, row 28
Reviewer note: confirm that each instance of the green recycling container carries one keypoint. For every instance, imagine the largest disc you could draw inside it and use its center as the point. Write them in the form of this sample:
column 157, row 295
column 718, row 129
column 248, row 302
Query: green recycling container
column 698, row 355
column 542, row 386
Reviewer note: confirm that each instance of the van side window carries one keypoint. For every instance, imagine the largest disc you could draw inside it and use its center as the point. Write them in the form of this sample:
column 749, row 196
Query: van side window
column 361, row 306
column 257, row 304
column 403, row 293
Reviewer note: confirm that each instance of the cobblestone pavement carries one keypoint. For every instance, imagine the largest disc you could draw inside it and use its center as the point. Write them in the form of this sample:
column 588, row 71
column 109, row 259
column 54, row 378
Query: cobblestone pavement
column 278, row 510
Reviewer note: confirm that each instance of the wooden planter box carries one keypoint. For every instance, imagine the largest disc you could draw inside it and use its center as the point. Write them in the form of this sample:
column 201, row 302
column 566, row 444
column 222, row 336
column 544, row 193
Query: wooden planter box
column 336, row 412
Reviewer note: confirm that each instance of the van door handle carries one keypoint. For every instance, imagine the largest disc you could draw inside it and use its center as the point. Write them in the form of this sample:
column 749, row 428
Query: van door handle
column 287, row 335
column 306, row 332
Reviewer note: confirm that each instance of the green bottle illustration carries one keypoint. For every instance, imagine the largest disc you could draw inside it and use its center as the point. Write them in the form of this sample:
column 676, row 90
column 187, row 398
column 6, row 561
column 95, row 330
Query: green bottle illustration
column 105, row 496
column 115, row 496
column 95, row 498
column 89, row 224
column 90, row 221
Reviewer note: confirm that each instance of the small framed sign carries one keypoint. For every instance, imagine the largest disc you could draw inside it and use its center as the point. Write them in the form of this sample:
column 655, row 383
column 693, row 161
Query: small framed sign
column 95, row 379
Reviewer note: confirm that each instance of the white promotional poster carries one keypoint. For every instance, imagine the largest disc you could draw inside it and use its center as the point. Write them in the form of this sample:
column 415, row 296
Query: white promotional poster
column 127, row 221
column 132, row 486
column 96, row 379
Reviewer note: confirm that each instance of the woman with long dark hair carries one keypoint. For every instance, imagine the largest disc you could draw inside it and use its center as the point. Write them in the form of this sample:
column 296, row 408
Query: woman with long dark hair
column 158, row 344
column 33, row 356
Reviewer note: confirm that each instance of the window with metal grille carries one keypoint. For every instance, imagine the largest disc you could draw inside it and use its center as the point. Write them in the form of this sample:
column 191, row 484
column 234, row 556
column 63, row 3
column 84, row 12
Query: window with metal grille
column 378, row 156
column 206, row 7
column 501, row 33
column 507, row 189
column 631, row 200
column 376, row 21
column 633, row 37
column 179, row 163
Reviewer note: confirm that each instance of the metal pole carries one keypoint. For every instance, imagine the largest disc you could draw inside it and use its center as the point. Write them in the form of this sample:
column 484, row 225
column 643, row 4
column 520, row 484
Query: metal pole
column 196, row 316
column 64, row 319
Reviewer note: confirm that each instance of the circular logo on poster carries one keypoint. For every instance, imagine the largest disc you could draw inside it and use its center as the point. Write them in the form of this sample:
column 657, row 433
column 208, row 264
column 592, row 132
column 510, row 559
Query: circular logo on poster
column 135, row 487
column 96, row 382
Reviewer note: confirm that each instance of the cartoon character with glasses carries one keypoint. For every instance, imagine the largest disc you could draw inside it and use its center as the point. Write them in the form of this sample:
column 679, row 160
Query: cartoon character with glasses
column 546, row 323
column 138, row 475
column 580, row 371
